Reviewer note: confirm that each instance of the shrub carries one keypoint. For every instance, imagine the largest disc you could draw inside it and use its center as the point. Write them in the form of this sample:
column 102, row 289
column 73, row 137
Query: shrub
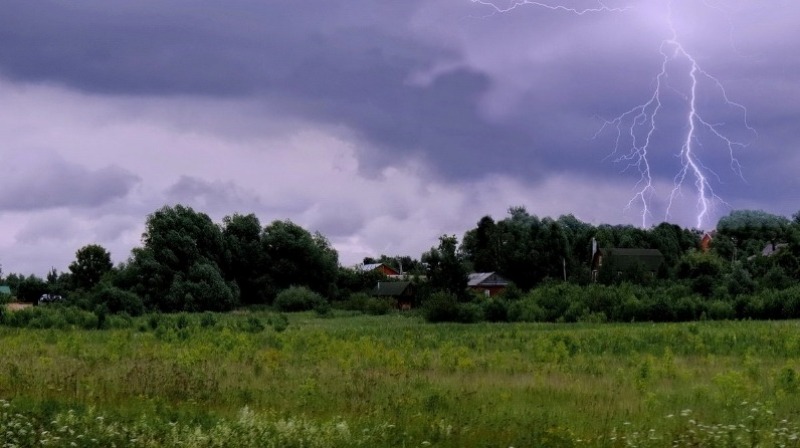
column 469, row 313
column 208, row 320
column 440, row 307
column 377, row 306
column 297, row 298
column 118, row 300
column 279, row 322
column 253, row 325
column 369, row 305
column 495, row 310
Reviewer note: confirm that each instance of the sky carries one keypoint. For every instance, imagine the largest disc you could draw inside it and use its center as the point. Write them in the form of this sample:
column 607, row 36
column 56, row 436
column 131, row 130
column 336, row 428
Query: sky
column 385, row 124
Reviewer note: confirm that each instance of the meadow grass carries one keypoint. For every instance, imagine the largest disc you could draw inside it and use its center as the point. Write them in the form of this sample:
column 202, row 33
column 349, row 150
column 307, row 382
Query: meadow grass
column 353, row 380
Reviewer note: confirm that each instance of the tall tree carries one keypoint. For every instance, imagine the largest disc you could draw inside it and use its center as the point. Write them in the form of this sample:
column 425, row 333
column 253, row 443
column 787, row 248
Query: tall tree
column 246, row 261
column 481, row 246
column 182, row 255
column 295, row 257
column 446, row 270
column 91, row 263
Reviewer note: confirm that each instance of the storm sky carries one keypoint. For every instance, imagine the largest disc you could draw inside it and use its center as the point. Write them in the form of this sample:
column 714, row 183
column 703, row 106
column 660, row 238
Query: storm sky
column 381, row 124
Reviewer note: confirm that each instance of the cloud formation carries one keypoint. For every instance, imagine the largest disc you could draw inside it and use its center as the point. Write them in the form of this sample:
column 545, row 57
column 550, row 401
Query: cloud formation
column 381, row 125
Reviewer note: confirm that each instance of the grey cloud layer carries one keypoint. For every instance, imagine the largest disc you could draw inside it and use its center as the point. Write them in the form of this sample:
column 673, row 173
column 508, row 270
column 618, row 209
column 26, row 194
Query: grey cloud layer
column 58, row 183
column 444, row 82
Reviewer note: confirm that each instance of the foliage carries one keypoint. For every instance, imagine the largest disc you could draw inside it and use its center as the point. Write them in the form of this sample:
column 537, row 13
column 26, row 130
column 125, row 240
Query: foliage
column 179, row 266
column 298, row 258
column 297, row 298
column 246, row 262
column 91, row 263
column 368, row 304
column 117, row 300
column 446, row 270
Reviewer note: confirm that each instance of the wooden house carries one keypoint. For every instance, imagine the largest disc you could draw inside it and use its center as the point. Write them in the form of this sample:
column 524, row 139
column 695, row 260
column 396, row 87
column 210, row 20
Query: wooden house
column 379, row 267
column 401, row 291
column 489, row 284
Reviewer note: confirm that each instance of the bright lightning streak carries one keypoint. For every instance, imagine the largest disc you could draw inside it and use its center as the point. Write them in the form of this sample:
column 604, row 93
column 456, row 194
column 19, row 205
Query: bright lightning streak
column 601, row 7
column 637, row 126
column 691, row 166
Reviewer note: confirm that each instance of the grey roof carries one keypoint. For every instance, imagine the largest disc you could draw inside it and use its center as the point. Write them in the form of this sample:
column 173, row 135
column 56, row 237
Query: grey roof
column 486, row 279
column 368, row 267
column 390, row 289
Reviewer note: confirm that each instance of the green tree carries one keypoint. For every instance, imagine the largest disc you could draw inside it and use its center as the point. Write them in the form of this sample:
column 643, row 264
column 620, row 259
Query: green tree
column 245, row 255
column 91, row 263
column 179, row 267
column 295, row 257
column 446, row 270
column 29, row 289
column 750, row 230
column 480, row 246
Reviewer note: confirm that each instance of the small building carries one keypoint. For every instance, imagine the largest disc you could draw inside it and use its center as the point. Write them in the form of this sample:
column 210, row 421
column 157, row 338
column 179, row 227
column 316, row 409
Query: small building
column 626, row 260
column 401, row 291
column 378, row 267
column 5, row 291
column 488, row 283
column 705, row 241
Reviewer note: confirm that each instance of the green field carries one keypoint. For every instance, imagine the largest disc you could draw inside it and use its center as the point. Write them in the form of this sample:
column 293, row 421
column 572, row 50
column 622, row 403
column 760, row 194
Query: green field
column 233, row 380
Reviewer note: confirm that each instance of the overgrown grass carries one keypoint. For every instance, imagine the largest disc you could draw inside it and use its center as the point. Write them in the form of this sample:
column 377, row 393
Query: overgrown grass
column 395, row 380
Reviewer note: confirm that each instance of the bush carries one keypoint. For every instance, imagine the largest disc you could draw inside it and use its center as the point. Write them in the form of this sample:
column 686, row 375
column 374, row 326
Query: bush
column 495, row 310
column 253, row 325
column 526, row 310
column 469, row 313
column 279, row 322
column 368, row 304
column 440, row 307
column 297, row 298
column 118, row 300
column 208, row 319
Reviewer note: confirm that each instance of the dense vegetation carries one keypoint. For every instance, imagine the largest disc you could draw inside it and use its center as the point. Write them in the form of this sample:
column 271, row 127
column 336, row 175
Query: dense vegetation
column 146, row 353
column 189, row 263
column 256, row 379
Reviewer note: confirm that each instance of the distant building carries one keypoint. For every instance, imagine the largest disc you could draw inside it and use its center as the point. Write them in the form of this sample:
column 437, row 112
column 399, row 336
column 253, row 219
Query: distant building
column 378, row 267
column 488, row 283
column 5, row 290
column 705, row 241
column 401, row 291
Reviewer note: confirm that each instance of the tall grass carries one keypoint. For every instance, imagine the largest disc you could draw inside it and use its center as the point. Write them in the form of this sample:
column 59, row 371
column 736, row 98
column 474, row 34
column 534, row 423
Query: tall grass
column 394, row 380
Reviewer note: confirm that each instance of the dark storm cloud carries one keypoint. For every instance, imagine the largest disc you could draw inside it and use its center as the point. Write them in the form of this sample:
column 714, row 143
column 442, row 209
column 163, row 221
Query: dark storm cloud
column 322, row 62
column 58, row 183
column 524, row 95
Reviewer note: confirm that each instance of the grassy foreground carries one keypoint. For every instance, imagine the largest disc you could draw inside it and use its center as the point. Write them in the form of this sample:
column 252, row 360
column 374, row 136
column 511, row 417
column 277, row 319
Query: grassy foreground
column 226, row 380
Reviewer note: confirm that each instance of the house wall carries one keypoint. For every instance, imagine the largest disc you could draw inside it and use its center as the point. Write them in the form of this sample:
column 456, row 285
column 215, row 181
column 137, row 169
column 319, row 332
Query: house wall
column 493, row 290
column 386, row 270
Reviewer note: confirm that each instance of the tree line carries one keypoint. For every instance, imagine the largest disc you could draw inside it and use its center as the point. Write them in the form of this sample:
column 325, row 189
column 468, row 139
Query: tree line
column 187, row 262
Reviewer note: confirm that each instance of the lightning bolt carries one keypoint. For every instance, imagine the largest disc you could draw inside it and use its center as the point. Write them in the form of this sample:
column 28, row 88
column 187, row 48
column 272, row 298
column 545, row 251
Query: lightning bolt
column 636, row 127
column 601, row 7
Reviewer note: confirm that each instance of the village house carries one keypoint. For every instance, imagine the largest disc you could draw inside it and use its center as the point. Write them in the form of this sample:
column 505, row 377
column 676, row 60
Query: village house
column 490, row 284
column 379, row 267
column 401, row 291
